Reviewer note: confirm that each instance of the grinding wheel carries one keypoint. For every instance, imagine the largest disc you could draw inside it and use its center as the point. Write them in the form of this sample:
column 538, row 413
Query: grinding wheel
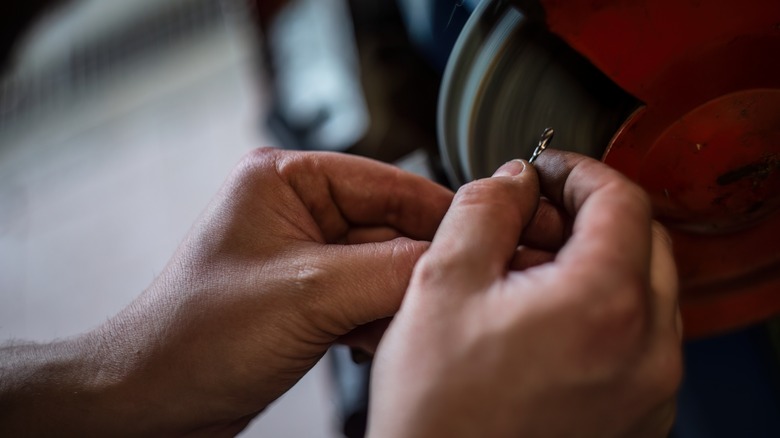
column 507, row 79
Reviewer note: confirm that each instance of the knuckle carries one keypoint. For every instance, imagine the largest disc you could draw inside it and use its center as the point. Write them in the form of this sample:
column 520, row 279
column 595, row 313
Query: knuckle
column 307, row 277
column 260, row 157
column 290, row 165
column 427, row 271
column 256, row 163
column 263, row 164
column 485, row 191
column 661, row 233
column 630, row 304
column 658, row 376
column 403, row 257
column 622, row 311
column 406, row 251
column 492, row 197
column 615, row 320
column 633, row 195
column 668, row 371
column 432, row 271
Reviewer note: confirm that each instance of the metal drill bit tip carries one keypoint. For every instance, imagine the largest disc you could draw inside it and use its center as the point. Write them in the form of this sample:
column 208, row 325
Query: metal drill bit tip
column 544, row 142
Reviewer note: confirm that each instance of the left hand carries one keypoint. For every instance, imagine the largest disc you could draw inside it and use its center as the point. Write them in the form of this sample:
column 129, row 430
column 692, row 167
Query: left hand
column 298, row 250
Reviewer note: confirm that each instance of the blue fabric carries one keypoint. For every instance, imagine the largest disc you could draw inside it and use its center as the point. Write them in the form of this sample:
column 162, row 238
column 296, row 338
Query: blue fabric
column 731, row 387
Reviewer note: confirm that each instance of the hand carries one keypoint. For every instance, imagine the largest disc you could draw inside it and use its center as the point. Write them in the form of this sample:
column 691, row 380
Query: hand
column 573, row 333
column 298, row 250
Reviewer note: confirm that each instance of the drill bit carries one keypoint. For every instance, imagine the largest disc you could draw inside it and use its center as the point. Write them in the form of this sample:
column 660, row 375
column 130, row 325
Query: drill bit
column 544, row 142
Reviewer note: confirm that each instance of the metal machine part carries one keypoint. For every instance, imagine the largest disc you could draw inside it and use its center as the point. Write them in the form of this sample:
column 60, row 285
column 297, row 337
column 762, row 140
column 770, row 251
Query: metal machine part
column 544, row 143
column 507, row 79
column 703, row 82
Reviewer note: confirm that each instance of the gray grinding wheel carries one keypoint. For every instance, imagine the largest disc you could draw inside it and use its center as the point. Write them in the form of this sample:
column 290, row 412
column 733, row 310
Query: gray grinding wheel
column 506, row 80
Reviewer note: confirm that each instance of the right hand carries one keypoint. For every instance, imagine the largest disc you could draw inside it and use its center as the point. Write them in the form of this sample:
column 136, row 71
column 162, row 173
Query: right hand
column 574, row 333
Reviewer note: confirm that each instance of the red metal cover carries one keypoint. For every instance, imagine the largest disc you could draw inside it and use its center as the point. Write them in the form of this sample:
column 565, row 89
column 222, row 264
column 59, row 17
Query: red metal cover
column 706, row 143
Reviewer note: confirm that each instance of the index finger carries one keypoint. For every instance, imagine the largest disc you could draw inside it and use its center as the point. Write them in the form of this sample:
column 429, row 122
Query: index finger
column 345, row 191
column 612, row 216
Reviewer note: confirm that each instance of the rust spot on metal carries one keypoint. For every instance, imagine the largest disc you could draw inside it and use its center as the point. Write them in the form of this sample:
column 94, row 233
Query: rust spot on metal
column 754, row 171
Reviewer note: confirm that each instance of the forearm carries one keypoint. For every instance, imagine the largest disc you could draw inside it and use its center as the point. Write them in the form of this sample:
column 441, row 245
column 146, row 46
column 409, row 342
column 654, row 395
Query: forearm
column 40, row 385
column 112, row 381
column 63, row 388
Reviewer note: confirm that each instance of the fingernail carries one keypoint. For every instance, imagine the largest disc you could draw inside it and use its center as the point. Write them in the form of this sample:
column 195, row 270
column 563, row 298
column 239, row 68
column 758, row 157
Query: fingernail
column 511, row 168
